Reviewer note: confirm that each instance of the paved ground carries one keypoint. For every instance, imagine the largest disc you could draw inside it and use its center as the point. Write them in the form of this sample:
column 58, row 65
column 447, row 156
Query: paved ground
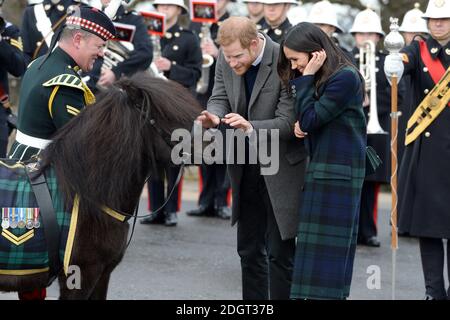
column 198, row 260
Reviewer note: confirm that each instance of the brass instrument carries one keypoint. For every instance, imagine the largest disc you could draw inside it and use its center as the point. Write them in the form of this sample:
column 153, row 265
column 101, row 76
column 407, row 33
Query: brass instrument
column 367, row 68
column 207, row 62
column 115, row 53
column 156, row 55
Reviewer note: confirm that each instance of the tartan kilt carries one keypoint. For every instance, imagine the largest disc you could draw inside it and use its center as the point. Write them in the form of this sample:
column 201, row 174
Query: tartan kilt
column 24, row 251
column 327, row 234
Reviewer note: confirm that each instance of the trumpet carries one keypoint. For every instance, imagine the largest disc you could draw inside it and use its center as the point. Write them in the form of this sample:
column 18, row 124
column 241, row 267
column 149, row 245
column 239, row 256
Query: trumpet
column 156, row 55
column 207, row 62
column 367, row 68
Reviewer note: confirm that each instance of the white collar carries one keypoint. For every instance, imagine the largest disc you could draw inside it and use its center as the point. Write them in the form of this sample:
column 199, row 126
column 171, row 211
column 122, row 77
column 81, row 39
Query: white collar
column 259, row 58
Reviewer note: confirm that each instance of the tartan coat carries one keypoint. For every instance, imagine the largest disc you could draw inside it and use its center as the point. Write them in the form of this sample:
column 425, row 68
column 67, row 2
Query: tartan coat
column 423, row 173
column 329, row 206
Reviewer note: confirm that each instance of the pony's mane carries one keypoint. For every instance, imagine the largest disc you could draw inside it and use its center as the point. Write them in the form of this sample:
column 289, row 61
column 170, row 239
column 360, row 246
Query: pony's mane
column 105, row 153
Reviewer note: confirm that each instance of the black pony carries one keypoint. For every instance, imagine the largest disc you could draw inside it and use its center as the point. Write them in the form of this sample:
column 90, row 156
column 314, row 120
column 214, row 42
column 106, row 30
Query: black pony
column 104, row 156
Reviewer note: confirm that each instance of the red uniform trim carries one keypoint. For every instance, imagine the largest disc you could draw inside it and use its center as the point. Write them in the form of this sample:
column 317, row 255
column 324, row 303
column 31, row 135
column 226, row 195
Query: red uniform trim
column 435, row 67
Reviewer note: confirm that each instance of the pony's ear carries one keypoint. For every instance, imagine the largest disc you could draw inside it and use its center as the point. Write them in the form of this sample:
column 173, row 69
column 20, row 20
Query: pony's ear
column 133, row 91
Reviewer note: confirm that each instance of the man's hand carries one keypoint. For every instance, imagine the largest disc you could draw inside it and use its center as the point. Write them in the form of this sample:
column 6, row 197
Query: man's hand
column 236, row 121
column 298, row 132
column 163, row 64
column 107, row 78
column 208, row 120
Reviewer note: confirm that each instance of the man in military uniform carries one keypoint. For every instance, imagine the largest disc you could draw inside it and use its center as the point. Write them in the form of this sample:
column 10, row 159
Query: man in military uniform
column 367, row 27
column 52, row 91
column 423, row 177
column 412, row 25
column 215, row 184
column 180, row 61
column 11, row 61
column 39, row 22
column 255, row 10
column 275, row 15
column 140, row 54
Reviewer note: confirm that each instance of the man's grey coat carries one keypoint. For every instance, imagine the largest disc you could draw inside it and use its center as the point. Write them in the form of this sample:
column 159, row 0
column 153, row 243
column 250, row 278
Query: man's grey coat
column 270, row 107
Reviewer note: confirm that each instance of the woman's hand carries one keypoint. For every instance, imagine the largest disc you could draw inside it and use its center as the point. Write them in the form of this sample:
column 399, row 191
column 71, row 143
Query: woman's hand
column 315, row 63
column 298, row 132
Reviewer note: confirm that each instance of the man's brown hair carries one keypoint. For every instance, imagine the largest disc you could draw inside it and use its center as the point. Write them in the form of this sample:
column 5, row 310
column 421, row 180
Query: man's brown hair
column 237, row 28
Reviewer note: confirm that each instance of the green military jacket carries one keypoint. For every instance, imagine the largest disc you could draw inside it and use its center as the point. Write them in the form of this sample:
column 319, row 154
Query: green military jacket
column 51, row 95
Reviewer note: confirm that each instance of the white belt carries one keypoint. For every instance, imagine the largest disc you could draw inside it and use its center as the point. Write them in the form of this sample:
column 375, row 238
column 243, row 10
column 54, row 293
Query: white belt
column 37, row 143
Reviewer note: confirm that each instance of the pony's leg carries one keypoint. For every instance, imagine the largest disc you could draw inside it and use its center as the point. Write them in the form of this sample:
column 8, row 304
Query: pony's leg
column 101, row 289
column 89, row 278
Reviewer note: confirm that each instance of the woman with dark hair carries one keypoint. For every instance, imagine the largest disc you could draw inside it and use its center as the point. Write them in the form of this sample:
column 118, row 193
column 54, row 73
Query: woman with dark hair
column 329, row 95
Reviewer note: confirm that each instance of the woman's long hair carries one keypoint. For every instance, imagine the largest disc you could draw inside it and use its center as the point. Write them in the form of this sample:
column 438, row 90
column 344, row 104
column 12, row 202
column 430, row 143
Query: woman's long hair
column 307, row 37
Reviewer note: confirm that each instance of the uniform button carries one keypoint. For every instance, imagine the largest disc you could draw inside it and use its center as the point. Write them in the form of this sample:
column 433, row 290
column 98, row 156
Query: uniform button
column 38, row 44
column 426, row 91
column 427, row 134
column 434, row 50
column 293, row 87
column 174, row 62
column 60, row 7
column 175, row 47
column 177, row 34
column 425, row 69
column 168, row 35
column 376, row 69
column 377, row 58
column 47, row 7
column 447, row 51
column 278, row 32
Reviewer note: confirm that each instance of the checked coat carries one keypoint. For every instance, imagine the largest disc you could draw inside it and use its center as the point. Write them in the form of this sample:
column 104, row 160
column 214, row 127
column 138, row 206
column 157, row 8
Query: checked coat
column 329, row 206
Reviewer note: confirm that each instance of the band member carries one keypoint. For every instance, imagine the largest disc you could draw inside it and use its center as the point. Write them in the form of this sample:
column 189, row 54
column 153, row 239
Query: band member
column 12, row 61
column 39, row 23
column 53, row 92
column 329, row 93
column 423, row 182
column 323, row 14
column 255, row 10
column 367, row 29
column 275, row 15
column 249, row 96
column 139, row 56
column 412, row 25
column 297, row 14
column 215, row 183
column 181, row 61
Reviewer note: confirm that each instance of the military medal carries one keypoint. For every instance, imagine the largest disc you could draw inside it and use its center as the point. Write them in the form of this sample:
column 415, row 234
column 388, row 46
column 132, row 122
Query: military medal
column 29, row 224
column 21, row 214
column 36, row 222
column 5, row 220
column 13, row 216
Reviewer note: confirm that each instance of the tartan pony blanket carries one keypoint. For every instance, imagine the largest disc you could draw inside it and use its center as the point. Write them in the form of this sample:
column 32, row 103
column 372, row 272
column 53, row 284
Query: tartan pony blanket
column 23, row 248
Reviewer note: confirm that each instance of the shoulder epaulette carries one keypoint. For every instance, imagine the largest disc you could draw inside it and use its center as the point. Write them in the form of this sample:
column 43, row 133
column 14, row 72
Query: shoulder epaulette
column 67, row 80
